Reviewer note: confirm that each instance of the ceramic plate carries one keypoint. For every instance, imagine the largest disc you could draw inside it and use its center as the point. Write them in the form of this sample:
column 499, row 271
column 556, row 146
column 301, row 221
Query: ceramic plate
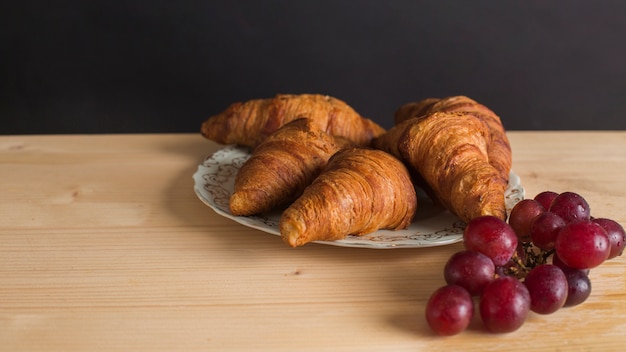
column 433, row 226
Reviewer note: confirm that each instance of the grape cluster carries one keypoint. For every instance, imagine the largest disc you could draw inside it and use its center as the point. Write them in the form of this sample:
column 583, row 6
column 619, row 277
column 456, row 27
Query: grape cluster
column 539, row 261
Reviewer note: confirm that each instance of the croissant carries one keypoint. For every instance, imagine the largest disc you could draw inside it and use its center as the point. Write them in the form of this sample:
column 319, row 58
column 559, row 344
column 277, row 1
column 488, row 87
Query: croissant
column 360, row 191
column 449, row 150
column 414, row 109
column 282, row 166
column 249, row 123
column 499, row 148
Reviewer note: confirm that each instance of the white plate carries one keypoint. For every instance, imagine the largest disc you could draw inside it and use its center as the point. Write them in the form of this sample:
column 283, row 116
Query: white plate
column 433, row 226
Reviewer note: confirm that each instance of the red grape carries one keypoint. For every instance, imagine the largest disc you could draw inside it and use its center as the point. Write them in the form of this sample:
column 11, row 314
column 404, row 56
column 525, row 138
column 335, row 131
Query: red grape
column 470, row 270
column 579, row 287
column 583, row 245
column 504, row 264
column 616, row 235
column 545, row 198
column 544, row 230
column 504, row 305
column 492, row 237
column 522, row 216
column 558, row 262
column 571, row 207
column 547, row 286
column 449, row 310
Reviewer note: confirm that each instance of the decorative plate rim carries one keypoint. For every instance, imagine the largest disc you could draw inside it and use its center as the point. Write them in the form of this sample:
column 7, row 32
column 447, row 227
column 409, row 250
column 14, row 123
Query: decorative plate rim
column 214, row 182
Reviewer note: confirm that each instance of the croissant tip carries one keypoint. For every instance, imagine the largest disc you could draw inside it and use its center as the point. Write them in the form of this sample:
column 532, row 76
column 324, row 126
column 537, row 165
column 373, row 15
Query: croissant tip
column 240, row 204
column 290, row 233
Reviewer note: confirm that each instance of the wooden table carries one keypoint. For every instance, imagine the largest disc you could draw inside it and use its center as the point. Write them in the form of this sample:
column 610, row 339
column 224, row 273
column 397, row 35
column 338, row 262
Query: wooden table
column 105, row 247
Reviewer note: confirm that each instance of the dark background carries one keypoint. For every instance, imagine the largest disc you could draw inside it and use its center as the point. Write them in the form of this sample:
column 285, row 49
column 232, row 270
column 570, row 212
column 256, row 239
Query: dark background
column 164, row 66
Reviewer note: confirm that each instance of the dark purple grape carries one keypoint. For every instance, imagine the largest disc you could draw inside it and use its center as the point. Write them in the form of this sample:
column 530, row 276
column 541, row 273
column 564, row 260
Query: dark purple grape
column 616, row 235
column 504, row 305
column 583, row 245
column 571, row 207
column 492, row 237
column 522, row 216
column 579, row 287
column 545, row 198
column 449, row 310
column 547, row 286
column 544, row 230
column 470, row 270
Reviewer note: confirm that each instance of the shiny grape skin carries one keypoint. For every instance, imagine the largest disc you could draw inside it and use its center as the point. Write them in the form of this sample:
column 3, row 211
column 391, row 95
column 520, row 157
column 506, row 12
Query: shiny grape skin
column 492, row 237
column 522, row 215
column 558, row 262
column 616, row 234
column 470, row 270
column 582, row 245
column 571, row 207
column 548, row 288
column 504, row 305
column 449, row 310
column 579, row 287
column 545, row 198
column 544, row 230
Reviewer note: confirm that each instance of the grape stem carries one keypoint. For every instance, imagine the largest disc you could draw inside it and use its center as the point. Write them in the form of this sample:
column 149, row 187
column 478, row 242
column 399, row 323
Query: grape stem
column 529, row 257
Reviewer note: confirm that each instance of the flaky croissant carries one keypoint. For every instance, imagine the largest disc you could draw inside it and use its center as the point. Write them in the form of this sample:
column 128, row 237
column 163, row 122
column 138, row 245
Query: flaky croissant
column 281, row 167
column 498, row 149
column 450, row 151
column 360, row 191
column 249, row 123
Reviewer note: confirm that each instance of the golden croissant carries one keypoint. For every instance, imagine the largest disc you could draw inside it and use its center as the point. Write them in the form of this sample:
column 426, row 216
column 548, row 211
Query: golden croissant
column 360, row 191
column 281, row 167
column 249, row 123
column 450, row 151
column 498, row 149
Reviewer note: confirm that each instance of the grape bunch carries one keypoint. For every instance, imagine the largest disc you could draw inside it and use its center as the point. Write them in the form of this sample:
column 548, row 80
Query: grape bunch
column 539, row 261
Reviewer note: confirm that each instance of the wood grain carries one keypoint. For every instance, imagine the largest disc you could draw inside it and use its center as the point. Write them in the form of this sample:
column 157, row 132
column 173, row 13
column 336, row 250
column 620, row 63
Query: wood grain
column 105, row 247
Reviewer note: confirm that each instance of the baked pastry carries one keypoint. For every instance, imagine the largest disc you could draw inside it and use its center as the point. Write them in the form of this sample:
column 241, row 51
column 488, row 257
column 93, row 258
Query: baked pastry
column 281, row 167
column 360, row 191
column 249, row 123
column 498, row 149
column 450, row 151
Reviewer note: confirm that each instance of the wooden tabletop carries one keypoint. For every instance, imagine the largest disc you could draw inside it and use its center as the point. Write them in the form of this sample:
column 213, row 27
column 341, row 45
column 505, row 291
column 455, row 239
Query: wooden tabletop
column 105, row 247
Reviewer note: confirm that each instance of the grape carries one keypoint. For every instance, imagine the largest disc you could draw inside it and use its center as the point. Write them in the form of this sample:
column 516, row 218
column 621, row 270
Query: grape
column 522, row 216
column 616, row 235
column 545, row 198
column 548, row 288
column 492, row 237
column 504, row 264
column 504, row 305
column 558, row 262
column 544, row 230
column 583, row 245
column 470, row 270
column 579, row 287
column 571, row 207
column 449, row 310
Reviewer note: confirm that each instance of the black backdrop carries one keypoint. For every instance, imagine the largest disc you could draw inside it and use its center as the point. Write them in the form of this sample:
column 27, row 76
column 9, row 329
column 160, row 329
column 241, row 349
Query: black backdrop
column 164, row 66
